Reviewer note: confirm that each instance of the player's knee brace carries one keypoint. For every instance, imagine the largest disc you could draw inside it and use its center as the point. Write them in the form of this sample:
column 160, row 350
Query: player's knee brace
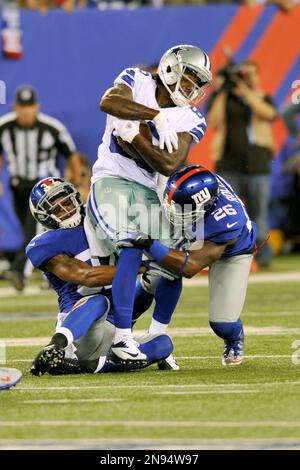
column 228, row 330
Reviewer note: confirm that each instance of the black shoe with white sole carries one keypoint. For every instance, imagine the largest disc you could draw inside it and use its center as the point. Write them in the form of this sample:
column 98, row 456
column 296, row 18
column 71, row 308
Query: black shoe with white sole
column 50, row 357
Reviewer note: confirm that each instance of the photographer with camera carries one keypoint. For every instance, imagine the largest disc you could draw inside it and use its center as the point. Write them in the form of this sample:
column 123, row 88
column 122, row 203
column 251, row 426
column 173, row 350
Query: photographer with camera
column 241, row 114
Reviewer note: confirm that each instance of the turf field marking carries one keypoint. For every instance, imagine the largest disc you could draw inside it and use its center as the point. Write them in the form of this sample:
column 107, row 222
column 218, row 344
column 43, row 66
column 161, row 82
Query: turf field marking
column 10, row 317
column 292, row 276
column 180, row 332
column 151, row 424
column 207, row 392
column 37, row 341
column 257, row 356
column 150, row 386
column 281, row 314
column 28, row 291
column 40, row 316
column 201, row 358
column 72, row 400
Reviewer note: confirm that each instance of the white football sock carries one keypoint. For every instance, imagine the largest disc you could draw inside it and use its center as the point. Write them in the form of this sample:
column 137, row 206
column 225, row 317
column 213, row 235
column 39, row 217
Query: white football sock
column 120, row 333
column 157, row 327
column 67, row 333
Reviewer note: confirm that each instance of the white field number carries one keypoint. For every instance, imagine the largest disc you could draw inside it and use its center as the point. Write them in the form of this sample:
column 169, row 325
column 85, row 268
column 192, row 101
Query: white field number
column 296, row 354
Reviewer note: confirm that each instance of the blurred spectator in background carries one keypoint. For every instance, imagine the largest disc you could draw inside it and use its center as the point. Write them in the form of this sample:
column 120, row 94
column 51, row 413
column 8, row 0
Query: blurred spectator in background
column 241, row 113
column 84, row 184
column 284, row 5
column 285, row 187
column 290, row 114
column 44, row 5
column 69, row 5
column 31, row 142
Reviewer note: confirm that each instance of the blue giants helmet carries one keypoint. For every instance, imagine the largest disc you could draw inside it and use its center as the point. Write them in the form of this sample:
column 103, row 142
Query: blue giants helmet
column 191, row 191
column 56, row 203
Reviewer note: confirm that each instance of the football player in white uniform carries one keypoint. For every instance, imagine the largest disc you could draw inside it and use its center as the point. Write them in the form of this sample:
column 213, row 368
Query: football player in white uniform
column 124, row 180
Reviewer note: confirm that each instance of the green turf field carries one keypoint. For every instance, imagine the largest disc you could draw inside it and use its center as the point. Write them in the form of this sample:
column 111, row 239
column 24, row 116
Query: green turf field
column 256, row 401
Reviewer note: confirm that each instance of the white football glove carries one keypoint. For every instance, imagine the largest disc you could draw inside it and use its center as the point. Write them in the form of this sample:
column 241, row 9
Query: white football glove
column 127, row 130
column 167, row 136
column 130, row 237
column 155, row 270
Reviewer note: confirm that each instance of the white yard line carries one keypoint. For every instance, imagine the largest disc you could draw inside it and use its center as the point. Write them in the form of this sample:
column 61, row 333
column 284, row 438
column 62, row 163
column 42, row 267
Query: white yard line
column 202, row 358
column 7, row 316
column 37, row 341
column 27, row 389
column 207, row 392
column 257, row 356
column 180, row 332
column 282, row 314
column 293, row 276
column 31, row 290
column 151, row 424
column 72, row 400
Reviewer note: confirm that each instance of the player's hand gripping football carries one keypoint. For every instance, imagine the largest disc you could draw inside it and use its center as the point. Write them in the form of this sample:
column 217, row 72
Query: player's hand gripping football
column 167, row 136
column 127, row 130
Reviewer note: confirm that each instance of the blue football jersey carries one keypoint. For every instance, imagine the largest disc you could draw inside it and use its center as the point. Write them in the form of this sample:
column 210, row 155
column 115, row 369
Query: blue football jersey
column 229, row 220
column 73, row 243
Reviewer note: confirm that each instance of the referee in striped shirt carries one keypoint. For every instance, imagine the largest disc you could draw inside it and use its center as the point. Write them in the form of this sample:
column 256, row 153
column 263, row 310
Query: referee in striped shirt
column 32, row 142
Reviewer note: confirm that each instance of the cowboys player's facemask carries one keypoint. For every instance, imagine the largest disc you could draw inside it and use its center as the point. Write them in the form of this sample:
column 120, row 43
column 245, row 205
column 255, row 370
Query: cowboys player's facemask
column 189, row 69
column 56, row 203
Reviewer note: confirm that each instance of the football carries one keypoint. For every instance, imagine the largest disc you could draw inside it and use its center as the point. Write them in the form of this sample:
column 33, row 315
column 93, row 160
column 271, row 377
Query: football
column 145, row 131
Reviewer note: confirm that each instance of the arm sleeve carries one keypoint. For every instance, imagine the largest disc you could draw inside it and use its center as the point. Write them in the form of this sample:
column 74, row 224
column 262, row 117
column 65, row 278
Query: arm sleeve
column 126, row 77
column 198, row 131
column 45, row 246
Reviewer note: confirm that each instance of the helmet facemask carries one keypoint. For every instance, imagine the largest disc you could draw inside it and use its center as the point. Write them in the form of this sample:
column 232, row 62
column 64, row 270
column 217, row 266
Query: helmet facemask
column 180, row 97
column 68, row 216
column 54, row 209
column 179, row 63
column 183, row 217
column 187, row 217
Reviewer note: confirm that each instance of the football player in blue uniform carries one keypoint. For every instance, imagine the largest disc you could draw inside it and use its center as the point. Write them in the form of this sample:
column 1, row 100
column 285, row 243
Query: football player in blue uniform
column 85, row 324
column 218, row 233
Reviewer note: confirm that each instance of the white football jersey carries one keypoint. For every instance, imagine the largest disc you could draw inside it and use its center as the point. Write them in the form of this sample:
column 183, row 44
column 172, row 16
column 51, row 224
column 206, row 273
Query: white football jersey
column 112, row 161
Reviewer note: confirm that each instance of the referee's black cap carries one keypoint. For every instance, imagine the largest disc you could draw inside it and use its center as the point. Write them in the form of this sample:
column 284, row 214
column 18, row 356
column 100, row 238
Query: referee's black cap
column 26, row 96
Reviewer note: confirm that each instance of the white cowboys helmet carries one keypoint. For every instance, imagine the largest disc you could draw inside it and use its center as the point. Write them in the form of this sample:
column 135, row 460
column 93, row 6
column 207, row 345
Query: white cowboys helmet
column 172, row 67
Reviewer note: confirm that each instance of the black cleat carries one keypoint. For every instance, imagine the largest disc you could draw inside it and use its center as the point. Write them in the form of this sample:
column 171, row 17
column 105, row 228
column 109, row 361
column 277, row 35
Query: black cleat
column 51, row 356
column 66, row 367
